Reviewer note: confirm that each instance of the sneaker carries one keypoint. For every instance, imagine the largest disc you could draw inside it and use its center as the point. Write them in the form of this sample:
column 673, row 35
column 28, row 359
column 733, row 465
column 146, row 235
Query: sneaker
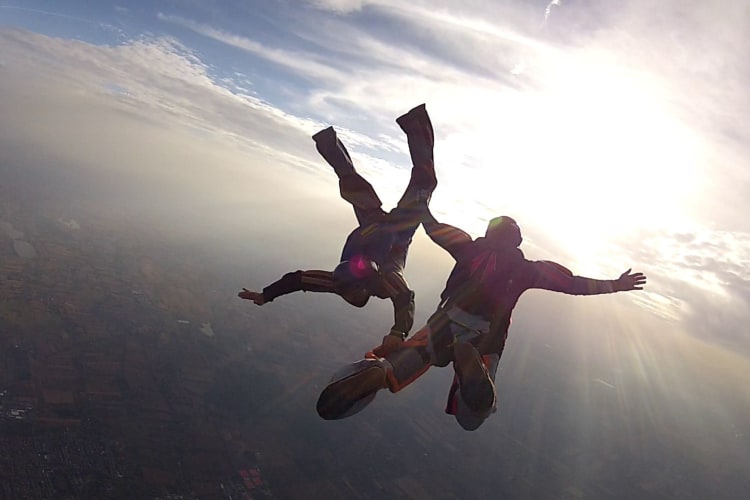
column 348, row 395
column 477, row 389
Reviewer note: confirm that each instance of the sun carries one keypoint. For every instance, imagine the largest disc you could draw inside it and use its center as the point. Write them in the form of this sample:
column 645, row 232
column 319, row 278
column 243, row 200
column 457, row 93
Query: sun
column 593, row 154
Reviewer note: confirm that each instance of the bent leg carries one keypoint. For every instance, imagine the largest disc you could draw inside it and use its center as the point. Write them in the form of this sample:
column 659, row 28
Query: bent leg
column 475, row 383
column 354, row 386
column 427, row 347
column 408, row 363
column 354, row 188
column 470, row 419
column 405, row 218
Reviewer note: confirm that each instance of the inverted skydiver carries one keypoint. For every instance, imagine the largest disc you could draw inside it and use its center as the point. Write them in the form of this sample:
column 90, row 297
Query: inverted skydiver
column 374, row 256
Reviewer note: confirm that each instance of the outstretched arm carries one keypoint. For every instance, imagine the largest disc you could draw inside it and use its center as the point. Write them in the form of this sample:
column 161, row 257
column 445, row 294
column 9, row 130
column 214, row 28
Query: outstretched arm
column 308, row 281
column 630, row 281
column 450, row 238
column 553, row 276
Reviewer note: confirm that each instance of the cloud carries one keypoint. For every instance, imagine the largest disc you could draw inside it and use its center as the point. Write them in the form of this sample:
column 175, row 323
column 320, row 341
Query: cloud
column 107, row 27
column 151, row 124
column 651, row 97
column 602, row 126
column 619, row 63
column 339, row 6
column 302, row 64
column 162, row 79
column 699, row 278
column 548, row 10
column 175, row 152
column 352, row 64
column 340, row 50
column 49, row 13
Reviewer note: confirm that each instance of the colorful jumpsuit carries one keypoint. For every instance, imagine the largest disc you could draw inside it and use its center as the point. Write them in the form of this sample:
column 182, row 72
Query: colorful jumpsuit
column 476, row 305
column 382, row 237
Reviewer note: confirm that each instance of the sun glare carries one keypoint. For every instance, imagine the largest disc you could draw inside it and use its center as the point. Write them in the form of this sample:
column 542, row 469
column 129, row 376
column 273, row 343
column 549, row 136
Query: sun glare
column 592, row 155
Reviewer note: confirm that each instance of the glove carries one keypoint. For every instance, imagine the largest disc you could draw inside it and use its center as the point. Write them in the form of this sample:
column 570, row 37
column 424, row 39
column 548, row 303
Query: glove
column 394, row 341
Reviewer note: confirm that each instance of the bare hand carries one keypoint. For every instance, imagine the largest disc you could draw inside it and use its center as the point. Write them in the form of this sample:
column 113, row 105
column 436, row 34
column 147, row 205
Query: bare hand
column 256, row 297
column 630, row 281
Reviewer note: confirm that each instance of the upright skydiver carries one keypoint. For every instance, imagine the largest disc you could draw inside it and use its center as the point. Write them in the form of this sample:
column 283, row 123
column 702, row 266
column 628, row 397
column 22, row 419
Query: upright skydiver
column 469, row 327
column 374, row 255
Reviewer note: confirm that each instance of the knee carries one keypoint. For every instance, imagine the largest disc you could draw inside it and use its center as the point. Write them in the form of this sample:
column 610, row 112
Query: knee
column 441, row 352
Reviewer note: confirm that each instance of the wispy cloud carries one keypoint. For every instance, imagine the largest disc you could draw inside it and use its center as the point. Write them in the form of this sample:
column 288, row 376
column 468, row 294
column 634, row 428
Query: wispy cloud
column 603, row 127
column 548, row 10
column 50, row 13
column 64, row 16
column 300, row 63
column 158, row 78
column 339, row 6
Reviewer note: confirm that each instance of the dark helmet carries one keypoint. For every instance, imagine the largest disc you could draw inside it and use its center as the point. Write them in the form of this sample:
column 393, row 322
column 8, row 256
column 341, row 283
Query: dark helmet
column 503, row 231
column 351, row 279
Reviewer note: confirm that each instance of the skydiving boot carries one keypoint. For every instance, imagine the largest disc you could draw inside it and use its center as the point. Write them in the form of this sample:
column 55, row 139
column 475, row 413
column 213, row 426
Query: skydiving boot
column 475, row 384
column 352, row 388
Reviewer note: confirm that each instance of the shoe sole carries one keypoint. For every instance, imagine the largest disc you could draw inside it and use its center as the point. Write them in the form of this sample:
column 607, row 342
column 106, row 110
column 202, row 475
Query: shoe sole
column 339, row 397
column 477, row 389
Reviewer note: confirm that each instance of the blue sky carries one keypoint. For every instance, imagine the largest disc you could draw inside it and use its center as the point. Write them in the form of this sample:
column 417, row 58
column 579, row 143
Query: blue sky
column 613, row 131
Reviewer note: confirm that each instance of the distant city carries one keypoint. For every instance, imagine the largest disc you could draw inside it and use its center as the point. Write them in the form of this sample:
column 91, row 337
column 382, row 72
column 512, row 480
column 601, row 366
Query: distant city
column 125, row 375
column 129, row 369
column 103, row 390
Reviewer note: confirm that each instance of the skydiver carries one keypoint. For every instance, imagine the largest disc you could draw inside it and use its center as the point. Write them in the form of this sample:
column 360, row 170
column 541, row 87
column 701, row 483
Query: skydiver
column 374, row 256
column 469, row 327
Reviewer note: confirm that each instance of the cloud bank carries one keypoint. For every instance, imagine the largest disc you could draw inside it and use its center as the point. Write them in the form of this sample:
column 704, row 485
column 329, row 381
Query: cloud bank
column 613, row 132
